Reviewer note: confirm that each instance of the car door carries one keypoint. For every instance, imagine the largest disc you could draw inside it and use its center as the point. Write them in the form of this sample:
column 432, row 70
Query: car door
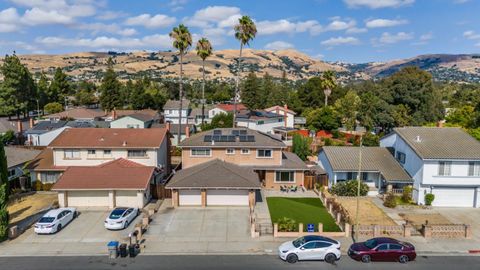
column 129, row 215
column 380, row 253
column 395, row 251
column 307, row 251
column 60, row 218
column 68, row 216
column 321, row 250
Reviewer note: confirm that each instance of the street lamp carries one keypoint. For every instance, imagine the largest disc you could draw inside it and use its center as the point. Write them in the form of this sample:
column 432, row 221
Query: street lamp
column 327, row 91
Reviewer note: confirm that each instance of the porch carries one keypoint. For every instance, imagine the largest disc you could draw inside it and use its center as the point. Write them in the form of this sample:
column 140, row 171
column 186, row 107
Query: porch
column 375, row 181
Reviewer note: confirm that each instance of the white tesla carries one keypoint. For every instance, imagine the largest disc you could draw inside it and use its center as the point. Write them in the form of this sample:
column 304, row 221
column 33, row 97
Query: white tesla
column 120, row 218
column 309, row 248
column 54, row 220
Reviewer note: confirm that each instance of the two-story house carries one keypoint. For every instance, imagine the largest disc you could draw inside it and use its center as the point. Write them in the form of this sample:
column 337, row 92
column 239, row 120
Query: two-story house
column 103, row 167
column 260, row 120
column 225, row 167
column 171, row 111
column 442, row 161
column 137, row 120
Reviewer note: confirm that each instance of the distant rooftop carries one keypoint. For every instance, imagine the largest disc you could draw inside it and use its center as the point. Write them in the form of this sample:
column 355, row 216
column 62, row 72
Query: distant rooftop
column 256, row 115
column 175, row 104
column 232, row 137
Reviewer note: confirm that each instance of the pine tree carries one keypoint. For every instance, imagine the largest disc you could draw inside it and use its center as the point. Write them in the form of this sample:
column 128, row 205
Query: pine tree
column 3, row 195
column 110, row 89
column 42, row 90
column 60, row 87
column 250, row 92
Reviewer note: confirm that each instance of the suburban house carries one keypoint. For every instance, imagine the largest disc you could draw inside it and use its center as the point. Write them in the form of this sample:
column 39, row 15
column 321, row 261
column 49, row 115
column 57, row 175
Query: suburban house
column 17, row 158
column 185, row 131
column 137, row 120
column 104, row 167
column 196, row 115
column 79, row 113
column 441, row 161
column 115, row 114
column 378, row 168
column 226, row 166
column 279, row 110
column 224, row 108
column 171, row 111
column 262, row 121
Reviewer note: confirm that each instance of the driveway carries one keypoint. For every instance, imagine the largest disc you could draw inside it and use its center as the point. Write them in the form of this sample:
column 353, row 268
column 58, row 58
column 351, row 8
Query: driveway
column 469, row 216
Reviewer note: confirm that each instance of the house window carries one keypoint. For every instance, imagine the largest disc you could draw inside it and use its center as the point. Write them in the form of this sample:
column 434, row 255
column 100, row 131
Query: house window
column 49, row 177
column 444, row 168
column 401, row 157
column 264, row 153
column 11, row 173
column 71, row 154
column 230, row 151
column 473, row 168
column 200, row 152
column 285, row 177
column 245, row 151
column 107, row 152
column 137, row 153
column 352, row 176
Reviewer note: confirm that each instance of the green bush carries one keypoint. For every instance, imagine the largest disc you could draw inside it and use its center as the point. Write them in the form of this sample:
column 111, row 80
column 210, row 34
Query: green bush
column 429, row 198
column 287, row 225
column 390, row 201
column 53, row 107
column 349, row 188
column 407, row 194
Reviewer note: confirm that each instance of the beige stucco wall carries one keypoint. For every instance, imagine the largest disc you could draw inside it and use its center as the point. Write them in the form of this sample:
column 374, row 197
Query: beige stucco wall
column 237, row 158
column 86, row 160
column 271, row 184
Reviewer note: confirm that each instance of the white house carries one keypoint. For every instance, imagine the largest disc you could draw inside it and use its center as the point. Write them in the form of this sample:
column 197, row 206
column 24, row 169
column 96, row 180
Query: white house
column 290, row 121
column 224, row 108
column 442, row 161
column 137, row 120
column 260, row 120
column 171, row 112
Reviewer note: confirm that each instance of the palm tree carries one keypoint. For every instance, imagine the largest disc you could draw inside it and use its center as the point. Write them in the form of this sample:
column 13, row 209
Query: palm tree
column 245, row 31
column 182, row 40
column 204, row 50
column 328, row 83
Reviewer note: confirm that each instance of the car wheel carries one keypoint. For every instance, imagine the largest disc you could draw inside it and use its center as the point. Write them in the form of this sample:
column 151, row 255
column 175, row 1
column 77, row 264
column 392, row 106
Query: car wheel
column 366, row 258
column 403, row 259
column 292, row 258
column 330, row 258
column 59, row 227
column 126, row 224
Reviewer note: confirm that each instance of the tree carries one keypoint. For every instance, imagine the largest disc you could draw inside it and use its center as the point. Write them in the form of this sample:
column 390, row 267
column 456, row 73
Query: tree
column 53, row 107
column 463, row 116
column 4, row 188
column 42, row 90
column 8, row 136
column 249, row 91
column 311, row 93
column 267, row 89
column 279, row 92
column 157, row 95
column 182, row 40
column 328, row 84
column 60, row 86
column 301, row 146
column 245, row 31
column 138, row 96
column 204, row 50
column 347, row 107
column 325, row 118
column 110, row 97
column 374, row 112
column 221, row 120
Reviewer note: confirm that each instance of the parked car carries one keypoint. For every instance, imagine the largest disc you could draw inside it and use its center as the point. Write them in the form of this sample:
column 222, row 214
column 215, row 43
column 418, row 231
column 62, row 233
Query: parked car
column 382, row 249
column 310, row 247
column 120, row 218
column 55, row 220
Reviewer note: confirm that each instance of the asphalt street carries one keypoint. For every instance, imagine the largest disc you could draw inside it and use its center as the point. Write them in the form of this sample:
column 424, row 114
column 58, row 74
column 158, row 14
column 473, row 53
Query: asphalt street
column 225, row 262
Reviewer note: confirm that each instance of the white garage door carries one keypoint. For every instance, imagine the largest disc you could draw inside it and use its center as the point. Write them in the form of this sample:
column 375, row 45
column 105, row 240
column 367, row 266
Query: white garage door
column 127, row 198
column 87, row 198
column 190, row 197
column 227, row 197
column 454, row 197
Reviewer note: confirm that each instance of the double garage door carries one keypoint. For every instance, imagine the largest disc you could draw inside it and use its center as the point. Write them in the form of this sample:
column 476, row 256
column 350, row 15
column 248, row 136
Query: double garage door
column 217, row 197
column 93, row 198
column 454, row 197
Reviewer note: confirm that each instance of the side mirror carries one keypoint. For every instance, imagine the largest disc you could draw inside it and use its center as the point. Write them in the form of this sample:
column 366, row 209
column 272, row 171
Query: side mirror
column 302, row 248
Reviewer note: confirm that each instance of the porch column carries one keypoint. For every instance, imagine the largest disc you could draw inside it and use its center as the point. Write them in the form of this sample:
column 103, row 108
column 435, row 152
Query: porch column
column 251, row 198
column 175, row 197
column 203, row 193
column 111, row 199
column 63, row 198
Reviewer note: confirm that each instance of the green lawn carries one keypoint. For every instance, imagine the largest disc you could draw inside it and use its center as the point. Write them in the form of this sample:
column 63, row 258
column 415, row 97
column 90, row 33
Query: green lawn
column 302, row 210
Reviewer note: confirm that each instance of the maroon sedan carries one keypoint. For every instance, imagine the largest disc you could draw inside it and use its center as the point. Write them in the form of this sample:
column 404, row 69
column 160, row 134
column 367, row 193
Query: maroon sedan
column 382, row 249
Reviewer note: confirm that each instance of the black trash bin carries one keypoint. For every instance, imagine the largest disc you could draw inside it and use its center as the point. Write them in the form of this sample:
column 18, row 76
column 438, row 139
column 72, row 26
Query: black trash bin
column 133, row 250
column 123, row 250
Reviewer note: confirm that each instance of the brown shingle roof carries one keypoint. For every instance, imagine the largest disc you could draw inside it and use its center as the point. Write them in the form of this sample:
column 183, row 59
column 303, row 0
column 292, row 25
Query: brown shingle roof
column 44, row 162
column 440, row 143
column 79, row 113
column 289, row 161
column 17, row 155
column 175, row 104
column 110, row 137
column 215, row 174
column 119, row 174
column 374, row 159
column 280, row 108
column 120, row 113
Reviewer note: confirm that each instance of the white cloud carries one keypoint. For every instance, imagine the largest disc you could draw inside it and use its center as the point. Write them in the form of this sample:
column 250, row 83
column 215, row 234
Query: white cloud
column 318, row 56
column 149, row 21
column 374, row 4
column 176, row 5
column 460, row 1
column 36, row 16
column 388, row 38
column 336, row 41
column 378, row 23
column 111, row 15
column 72, row 8
column 355, row 30
column 288, row 27
column 204, row 18
column 424, row 39
column 278, row 45
column 470, row 34
column 9, row 20
column 107, row 28
column 231, row 21
column 338, row 24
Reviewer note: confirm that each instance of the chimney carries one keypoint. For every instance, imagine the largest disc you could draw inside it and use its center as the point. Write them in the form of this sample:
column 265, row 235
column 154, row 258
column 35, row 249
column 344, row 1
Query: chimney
column 19, row 126
column 167, row 126
column 285, row 116
column 31, row 122
column 114, row 114
column 440, row 123
column 187, row 132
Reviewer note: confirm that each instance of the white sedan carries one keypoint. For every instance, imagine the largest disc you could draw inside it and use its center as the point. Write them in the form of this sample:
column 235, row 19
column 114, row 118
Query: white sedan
column 309, row 248
column 120, row 218
column 54, row 220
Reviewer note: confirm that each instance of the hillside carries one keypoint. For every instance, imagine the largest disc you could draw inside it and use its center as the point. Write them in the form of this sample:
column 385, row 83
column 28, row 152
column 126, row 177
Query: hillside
column 222, row 65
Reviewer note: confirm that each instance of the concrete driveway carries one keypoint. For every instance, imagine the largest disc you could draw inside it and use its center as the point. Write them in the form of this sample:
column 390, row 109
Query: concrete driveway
column 469, row 216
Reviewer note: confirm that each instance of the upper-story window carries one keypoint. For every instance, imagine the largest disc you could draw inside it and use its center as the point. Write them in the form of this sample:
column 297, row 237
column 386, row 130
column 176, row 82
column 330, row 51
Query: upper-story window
column 71, row 154
column 401, row 157
column 230, row 151
column 245, row 151
column 137, row 153
column 200, row 152
column 444, row 168
column 474, row 168
column 264, row 153
column 107, row 152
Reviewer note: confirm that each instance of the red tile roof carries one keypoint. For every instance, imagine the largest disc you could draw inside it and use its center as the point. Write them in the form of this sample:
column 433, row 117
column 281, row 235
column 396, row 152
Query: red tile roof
column 110, row 137
column 324, row 134
column 119, row 174
column 229, row 107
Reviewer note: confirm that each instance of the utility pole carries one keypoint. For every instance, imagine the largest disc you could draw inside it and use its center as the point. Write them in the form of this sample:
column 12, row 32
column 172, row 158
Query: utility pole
column 358, row 186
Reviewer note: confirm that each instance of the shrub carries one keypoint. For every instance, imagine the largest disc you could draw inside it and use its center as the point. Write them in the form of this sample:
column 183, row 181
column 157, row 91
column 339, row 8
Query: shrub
column 429, row 198
column 328, row 142
column 349, row 188
column 53, row 107
column 287, row 225
column 390, row 201
column 407, row 194
column 335, row 134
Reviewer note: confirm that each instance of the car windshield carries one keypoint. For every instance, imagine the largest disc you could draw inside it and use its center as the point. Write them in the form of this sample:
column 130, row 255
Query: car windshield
column 371, row 243
column 300, row 241
column 46, row 220
column 117, row 213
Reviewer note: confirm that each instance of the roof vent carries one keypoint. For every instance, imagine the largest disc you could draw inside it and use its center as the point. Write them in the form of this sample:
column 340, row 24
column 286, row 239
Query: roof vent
column 102, row 139
column 124, row 143
column 213, row 142
column 418, row 139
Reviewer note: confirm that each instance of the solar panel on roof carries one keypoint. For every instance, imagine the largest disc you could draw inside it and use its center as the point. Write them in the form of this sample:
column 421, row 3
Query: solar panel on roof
column 216, row 138
column 207, row 138
column 224, row 138
column 217, row 132
column 243, row 132
column 231, row 138
column 243, row 138
column 235, row 132
column 250, row 138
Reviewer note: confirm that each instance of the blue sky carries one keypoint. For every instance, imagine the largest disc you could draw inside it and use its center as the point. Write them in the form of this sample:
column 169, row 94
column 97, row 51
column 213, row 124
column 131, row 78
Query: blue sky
column 333, row 30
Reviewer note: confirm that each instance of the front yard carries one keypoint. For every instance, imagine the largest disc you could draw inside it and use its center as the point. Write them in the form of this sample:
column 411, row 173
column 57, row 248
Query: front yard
column 369, row 213
column 302, row 210
column 29, row 205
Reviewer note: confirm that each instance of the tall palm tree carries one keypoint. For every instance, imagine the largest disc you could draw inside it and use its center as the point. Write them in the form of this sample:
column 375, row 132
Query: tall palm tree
column 245, row 31
column 182, row 40
column 328, row 83
column 204, row 50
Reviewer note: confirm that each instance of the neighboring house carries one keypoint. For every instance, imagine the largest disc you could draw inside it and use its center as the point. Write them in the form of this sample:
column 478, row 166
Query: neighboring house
column 6, row 125
column 218, row 166
column 378, row 169
column 171, row 112
column 441, row 161
column 224, row 108
column 17, row 157
column 196, row 115
column 104, row 167
column 185, row 132
column 78, row 114
column 116, row 114
column 262, row 121
column 279, row 110
column 136, row 120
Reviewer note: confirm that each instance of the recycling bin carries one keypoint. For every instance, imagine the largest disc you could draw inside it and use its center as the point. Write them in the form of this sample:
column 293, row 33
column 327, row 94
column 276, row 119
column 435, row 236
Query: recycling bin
column 112, row 249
